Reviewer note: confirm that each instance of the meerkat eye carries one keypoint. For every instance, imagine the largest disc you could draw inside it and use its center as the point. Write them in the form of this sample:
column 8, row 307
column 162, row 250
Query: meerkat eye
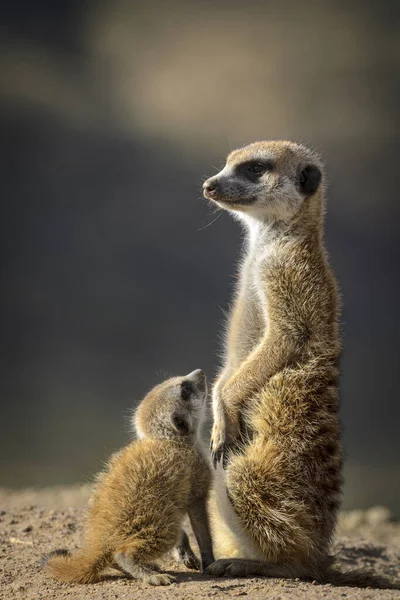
column 186, row 390
column 255, row 169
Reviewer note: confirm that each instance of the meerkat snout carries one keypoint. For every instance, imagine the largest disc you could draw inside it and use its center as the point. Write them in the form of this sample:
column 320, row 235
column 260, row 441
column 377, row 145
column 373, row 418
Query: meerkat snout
column 196, row 378
column 193, row 391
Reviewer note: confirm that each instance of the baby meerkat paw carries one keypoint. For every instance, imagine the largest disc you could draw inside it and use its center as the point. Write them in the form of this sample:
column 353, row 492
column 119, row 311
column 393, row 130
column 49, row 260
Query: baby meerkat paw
column 161, row 579
column 192, row 562
column 184, row 554
column 188, row 558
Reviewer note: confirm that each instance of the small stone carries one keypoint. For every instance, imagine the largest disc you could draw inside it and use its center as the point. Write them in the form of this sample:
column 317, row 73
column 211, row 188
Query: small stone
column 352, row 519
column 27, row 529
column 378, row 515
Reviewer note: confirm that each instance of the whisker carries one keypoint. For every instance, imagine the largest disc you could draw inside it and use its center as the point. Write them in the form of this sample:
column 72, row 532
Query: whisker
column 213, row 221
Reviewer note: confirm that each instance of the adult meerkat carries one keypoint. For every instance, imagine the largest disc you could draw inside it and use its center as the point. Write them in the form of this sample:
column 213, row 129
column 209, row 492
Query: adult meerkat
column 139, row 502
column 275, row 403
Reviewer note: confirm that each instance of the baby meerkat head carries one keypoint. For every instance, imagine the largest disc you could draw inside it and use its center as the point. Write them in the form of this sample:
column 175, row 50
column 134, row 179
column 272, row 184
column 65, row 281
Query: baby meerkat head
column 174, row 408
column 268, row 180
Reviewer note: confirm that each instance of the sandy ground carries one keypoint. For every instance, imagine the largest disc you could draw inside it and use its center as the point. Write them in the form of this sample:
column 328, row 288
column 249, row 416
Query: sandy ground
column 35, row 522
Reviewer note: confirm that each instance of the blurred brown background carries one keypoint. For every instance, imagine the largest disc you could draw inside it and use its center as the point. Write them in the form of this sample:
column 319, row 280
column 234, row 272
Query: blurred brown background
column 112, row 113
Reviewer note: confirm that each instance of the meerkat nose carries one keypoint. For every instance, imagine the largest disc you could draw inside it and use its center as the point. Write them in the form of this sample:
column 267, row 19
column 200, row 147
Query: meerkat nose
column 210, row 186
column 196, row 374
column 198, row 378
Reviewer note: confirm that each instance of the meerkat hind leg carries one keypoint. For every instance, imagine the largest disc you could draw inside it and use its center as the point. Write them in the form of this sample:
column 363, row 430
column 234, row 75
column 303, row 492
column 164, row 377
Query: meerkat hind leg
column 242, row 567
column 141, row 572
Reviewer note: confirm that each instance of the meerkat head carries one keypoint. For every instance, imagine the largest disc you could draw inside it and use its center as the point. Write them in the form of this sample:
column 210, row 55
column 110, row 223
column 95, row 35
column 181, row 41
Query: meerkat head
column 174, row 408
column 269, row 181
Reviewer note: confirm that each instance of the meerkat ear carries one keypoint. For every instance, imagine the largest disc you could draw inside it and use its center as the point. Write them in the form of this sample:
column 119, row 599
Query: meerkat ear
column 180, row 424
column 309, row 180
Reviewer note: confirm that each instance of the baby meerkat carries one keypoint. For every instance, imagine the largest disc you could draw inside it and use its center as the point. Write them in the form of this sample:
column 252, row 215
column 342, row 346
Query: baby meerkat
column 139, row 502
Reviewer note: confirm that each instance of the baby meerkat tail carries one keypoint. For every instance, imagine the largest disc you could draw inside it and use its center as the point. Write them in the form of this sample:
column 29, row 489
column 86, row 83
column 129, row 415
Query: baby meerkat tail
column 75, row 568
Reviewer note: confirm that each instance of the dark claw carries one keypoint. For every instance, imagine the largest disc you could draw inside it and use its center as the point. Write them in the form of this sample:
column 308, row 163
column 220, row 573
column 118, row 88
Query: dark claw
column 221, row 454
column 192, row 562
column 225, row 457
column 217, row 455
column 186, row 554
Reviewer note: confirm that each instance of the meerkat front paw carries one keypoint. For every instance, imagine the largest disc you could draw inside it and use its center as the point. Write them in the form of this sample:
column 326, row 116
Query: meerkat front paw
column 217, row 443
column 224, row 438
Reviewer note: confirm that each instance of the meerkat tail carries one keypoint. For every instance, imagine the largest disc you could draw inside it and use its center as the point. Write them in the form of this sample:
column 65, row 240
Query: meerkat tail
column 350, row 578
column 357, row 578
column 239, row 567
column 75, row 568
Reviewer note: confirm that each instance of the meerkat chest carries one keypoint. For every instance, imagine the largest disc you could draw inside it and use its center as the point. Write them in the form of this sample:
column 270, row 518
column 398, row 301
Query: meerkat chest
column 261, row 250
column 257, row 264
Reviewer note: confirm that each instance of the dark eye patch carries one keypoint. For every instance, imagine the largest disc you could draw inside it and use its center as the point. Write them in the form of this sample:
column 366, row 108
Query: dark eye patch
column 186, row 390
column 254, row 169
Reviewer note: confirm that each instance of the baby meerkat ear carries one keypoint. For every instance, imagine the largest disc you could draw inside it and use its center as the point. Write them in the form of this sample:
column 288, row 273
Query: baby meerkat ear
column 309, row 180
column 180, row 424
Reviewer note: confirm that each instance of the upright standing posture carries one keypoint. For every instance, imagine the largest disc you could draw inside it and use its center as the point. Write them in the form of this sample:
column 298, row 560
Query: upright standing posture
column 139, row 502
column 275, row 403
